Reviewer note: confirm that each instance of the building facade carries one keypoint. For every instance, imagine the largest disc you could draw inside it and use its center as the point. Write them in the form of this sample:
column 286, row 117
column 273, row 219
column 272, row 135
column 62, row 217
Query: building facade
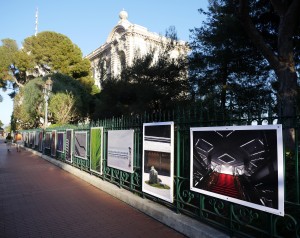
column 124, row 42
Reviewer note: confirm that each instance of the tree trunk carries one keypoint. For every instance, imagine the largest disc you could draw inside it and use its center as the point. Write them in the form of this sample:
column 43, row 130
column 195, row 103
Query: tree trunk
column 281, row 62
column 287, row 96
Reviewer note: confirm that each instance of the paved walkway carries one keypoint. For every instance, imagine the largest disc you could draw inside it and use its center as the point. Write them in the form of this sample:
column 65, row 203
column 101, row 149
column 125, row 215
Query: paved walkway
column 38, row 199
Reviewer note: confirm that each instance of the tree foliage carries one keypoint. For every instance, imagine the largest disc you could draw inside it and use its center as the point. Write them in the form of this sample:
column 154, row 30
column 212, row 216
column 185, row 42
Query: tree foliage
column 54, row 52
column 28, row 105
column 7, row 51
column 282, row 56
column 63, row 107
column 226, row 70
column 68, row 103
column 46, row 53
column 74, row 97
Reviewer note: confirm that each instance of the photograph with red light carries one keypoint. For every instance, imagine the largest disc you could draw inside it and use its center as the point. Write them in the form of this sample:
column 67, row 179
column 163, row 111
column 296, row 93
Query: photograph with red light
column 241, row 164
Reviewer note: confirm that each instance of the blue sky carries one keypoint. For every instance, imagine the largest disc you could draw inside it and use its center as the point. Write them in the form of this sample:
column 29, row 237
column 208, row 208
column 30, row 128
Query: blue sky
column 88, row 23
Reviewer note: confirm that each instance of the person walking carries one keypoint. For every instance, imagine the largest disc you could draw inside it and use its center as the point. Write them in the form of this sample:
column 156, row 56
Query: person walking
column 8, row 141
column 18, row 140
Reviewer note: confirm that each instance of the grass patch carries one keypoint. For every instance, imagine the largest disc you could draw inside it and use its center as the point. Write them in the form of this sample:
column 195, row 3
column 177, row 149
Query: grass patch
column 158, row 185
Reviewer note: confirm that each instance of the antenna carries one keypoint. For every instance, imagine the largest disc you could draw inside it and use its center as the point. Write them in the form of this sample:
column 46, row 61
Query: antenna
column 36, row 21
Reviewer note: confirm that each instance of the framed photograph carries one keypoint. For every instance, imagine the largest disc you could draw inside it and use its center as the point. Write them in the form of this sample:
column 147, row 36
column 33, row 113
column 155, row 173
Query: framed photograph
column 36, row 140
column 120, row 149
column 96, row 149
column 47, row 142
column 32, row 139
column 69, row 145
column 60, row 142
column 40, row 141
column 53, row 143
column 80, row 144
column 26, row 138
column 158, row 159
column 240, row 164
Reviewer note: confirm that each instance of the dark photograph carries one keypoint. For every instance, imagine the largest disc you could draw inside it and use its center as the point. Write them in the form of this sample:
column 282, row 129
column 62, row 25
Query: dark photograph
column 238, row 165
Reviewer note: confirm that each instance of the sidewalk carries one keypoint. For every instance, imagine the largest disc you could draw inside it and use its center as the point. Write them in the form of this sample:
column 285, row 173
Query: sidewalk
column 38, row 199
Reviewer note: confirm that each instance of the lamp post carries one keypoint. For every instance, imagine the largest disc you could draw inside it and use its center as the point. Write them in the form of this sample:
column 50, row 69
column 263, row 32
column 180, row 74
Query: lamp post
column 47, row 91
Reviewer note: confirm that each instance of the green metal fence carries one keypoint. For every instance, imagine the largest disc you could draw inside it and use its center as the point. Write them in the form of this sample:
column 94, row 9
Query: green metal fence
column 234, row 219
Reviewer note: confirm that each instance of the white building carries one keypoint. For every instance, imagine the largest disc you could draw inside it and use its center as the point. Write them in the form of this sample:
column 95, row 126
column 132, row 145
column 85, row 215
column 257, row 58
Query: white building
column 122, row 44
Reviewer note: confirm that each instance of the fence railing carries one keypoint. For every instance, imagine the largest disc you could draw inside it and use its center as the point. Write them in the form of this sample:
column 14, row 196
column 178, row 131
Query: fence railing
column 235, row 219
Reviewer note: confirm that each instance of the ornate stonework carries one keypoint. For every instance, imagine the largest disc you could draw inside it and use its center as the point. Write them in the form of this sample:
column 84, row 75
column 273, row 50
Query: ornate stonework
column 124, row 41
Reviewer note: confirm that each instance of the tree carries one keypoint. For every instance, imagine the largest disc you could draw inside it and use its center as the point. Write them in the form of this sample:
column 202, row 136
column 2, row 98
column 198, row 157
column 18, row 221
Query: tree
column 63, row 107
column 282, row 57
column 69, row 102
column 1, row 123
column 46, row 53
column 7, row 50
column 28, row 105
column 10, row 75
column 226, row 70
column 55, row 52
column 76, row 97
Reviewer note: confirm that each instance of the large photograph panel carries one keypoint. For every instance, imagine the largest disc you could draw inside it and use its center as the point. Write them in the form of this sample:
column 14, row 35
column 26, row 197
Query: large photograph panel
column 80, row 144
column 120, row 150
column 241, row 164
column 69, row 145
column 96, row 149
column 158, row 159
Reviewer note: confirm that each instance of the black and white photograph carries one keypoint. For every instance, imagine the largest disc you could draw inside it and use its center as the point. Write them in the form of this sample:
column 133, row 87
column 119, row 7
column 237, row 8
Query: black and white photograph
column 53, row 143
column 80, row 144
column 158, row 159
column 69, row 145
column 47, row 142
column 241, row 164
column 40, row 141
column 120, row 149
column 60, row 142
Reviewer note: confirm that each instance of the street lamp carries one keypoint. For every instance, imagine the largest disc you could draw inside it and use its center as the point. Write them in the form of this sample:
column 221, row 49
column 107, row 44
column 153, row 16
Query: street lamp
column 47, row 91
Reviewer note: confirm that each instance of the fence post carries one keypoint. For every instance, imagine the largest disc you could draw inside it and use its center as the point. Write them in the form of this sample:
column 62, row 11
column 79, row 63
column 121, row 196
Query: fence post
column 177, row 168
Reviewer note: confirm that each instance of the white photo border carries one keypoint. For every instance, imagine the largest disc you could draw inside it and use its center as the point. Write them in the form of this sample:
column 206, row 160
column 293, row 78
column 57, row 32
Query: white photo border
column 168, row 198
column 78, row 156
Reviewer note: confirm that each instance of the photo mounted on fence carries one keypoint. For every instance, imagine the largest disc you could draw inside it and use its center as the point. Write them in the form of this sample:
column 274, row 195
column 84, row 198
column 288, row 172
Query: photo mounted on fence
column 241, row 164
column 96, row 148
column 53, row 143
column 32, row 139
column 80, row 144
column 60, row 142
column 40, row 141
column 47, row 143
column 69, row 145
column 158, row 159
column 36, row 141
column 120, row 150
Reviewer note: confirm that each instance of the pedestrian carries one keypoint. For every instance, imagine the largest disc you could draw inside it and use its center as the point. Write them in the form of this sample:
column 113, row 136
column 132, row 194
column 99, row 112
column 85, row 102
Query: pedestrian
column 18, row 140
column 8, row 141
